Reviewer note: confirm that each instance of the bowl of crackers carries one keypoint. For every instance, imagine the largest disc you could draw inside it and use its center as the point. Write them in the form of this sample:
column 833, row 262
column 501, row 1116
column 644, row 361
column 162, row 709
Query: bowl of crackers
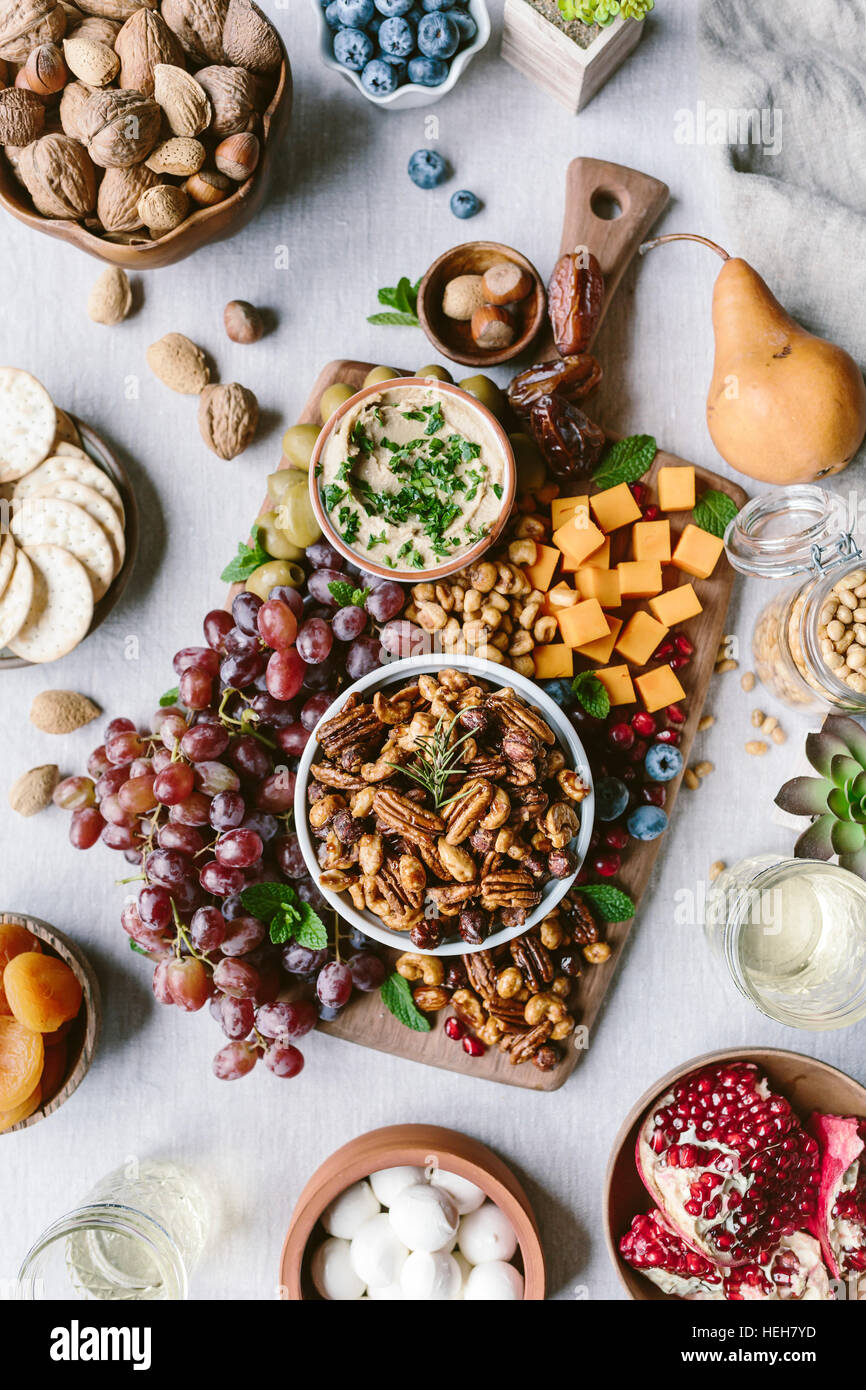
column 68, row 529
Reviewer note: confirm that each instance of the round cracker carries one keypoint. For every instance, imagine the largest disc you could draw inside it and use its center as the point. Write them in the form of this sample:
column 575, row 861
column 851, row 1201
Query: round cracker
column 67, row 431
column 61, row 609
column 7, row 562
column 72, row 463
column 48, row 521
column 97, row 506
column 28, row 423
column 15, row 603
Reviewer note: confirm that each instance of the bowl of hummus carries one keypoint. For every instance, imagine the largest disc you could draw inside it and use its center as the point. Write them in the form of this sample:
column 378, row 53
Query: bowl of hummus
column 412, row 479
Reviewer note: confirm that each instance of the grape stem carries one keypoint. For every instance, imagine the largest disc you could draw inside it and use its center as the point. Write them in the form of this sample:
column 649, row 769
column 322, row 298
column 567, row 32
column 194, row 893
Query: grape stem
column 248, row 719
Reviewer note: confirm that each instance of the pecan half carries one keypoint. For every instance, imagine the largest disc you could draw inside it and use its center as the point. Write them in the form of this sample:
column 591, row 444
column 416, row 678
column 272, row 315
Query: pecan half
column 513, row 715
column 331, row 776
column 466, row 810
column 449, row 900
column 481, row 970
column 405, row 817
column 522, row 1046
column 582, row 924
column 509, row 888
column 353, row 729
column 533, row 960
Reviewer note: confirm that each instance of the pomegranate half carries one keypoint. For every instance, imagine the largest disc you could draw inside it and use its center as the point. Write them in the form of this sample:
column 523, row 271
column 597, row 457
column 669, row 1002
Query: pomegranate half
column 842, row 1194
column 729, row 1165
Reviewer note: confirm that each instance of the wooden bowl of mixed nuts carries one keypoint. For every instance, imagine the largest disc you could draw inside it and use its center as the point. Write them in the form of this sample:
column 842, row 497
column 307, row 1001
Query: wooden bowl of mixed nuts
column 440, row 811
column 139, row 130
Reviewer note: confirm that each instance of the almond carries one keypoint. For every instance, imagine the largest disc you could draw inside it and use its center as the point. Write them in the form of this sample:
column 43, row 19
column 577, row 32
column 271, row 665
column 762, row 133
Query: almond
column 228, row 417
column 179, row 364
column 31, row 792
column 62, row 711
column 144, row 41
column 180, row 157
column 249, row 39
column 184, row 103
column 90, row 61
column 109, row 302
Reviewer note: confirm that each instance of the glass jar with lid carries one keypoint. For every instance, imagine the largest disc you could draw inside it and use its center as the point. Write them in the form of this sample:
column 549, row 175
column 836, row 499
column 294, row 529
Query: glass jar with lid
column 804, row 632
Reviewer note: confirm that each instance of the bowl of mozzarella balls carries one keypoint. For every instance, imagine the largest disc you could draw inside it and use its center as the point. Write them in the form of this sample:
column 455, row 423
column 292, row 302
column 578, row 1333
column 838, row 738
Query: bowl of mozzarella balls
column 413, row 1213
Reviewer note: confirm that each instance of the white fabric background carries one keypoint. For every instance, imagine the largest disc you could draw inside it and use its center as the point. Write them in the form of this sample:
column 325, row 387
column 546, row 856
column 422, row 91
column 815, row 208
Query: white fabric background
column 353, row 221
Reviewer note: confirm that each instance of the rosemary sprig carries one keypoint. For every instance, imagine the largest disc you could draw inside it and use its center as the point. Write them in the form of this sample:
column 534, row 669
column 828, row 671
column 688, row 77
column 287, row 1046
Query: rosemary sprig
column 437, row 760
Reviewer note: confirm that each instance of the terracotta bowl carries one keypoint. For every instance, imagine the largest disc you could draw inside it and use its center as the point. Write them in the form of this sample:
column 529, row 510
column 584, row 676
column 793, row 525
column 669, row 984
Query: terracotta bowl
column 467, row 557
column 83, row 1035
column 398, row 673
column 453, row 338
column 808, row 1084
column 420, row 1146
column 100, row 453
column 202, row 226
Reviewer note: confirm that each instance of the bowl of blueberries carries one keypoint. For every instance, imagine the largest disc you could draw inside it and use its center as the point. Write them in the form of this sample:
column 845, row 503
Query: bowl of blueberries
column 402, row 53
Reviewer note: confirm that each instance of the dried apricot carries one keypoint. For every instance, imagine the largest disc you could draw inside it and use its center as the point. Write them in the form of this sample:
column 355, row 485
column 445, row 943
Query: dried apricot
column 42, row 991
column 14, row 939
column 21, row 1057
column 8, row 1118
column 54, row 1070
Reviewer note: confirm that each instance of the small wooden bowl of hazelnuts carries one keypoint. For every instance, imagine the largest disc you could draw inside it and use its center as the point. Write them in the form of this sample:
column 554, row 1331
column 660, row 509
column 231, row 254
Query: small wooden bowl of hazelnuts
column 482, row 303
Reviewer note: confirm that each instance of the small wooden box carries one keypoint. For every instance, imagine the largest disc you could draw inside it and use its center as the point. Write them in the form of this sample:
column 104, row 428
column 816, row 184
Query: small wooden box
column 571, row 74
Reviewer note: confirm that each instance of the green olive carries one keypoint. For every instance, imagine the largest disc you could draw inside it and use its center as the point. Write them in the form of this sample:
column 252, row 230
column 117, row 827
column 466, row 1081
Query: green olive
column 380, row 374
column 283, row 481
column 436, row 373
column 333, row 398
column 297, row 520
column 485, row 391
column 531, row 469
column 275, row 538
column 298, row 444
column 274, row 572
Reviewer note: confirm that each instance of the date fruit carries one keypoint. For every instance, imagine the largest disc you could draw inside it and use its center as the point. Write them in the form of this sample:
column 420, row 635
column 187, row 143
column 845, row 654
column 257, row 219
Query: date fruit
column 575, row 298
column 568, row 439
column 572, row 378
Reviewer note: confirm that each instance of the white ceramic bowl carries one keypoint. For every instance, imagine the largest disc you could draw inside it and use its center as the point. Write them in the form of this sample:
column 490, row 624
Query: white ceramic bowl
column 411, row 94
column 396, row 673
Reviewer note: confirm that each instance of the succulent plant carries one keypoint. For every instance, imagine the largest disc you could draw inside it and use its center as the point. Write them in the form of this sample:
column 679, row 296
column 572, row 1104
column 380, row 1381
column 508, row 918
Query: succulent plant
column 836, row 798
column 604, row 12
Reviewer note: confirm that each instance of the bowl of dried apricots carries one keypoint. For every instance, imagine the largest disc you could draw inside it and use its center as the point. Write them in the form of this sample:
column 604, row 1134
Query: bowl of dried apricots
column 50, row 1016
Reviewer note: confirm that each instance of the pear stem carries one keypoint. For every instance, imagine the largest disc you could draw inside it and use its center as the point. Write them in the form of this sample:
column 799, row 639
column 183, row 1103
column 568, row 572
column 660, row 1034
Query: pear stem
column 684, row 236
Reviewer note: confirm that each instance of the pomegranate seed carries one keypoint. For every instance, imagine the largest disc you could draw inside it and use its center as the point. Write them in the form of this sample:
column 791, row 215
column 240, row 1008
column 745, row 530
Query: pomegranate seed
column 668, row 736
column 683, row 645
column 664, row 650
column 616, row 838
column 607, row 865
column 643, row 723
column 473, row 1047
column 639, row 492
column 651, row 513
column 675, row 715
column 639, row 751
column 654, row 795
column 454, row 1029
column 620, row 735
column 678, row 662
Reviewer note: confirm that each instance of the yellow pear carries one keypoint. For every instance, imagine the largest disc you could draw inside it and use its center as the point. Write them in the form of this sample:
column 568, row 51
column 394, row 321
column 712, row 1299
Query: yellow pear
column 783, row 405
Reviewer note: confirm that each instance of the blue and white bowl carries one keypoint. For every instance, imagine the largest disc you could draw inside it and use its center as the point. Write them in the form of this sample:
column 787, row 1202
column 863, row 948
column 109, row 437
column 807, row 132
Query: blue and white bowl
column 410, row 94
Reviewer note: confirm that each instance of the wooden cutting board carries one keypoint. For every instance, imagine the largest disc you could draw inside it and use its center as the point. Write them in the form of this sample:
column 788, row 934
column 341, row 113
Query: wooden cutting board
column 590, row 184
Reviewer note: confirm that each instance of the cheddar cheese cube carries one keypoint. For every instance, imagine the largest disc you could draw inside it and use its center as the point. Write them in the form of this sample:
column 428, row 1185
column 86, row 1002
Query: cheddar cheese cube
column 676, row 488
column 578, row 538
column 583, row 623
column 602, row 649
column 562, row 509
column 553, row 662
column 697, row 552
column 614, row 507
column 676, row 606
column 599, row 559
column 639, row 578
column 541, row 573
column 559, row 597
column 641, row 637
column 617, row 682
column 659, row 688
column 651, row 540
column 600, row 584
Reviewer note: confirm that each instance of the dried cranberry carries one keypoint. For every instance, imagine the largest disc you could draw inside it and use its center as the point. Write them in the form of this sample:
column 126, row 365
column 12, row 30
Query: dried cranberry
column 675, row 715
column 474, row 1047
column 454, row 1029
column 607, row 865
column 654, row 795
column 643, row 724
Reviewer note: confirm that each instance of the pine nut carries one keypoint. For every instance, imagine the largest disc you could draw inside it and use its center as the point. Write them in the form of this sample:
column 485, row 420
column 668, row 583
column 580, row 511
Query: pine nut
column 717, row 868
column 704, row 768
column 758, row 717
column 779, row 736
column 706, row 722
column 726, row 665
column 691, row 779
column 769, row 724
column 747, row 681
column 757, row 748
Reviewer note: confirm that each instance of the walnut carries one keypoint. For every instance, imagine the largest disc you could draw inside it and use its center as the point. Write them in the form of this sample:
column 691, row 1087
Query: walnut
column 184, row 103
column 233, row 96
column 509, row 888
column 228, row 416
column 144, row 41
column 22, row 116
column 533, row 961
column 24, row 24
column 249, row 40
column 353, row 726
column 114, row 9
column 119, row 128
column 198, row 25
column 119, row 195
column 72, row 103
column 59, row 177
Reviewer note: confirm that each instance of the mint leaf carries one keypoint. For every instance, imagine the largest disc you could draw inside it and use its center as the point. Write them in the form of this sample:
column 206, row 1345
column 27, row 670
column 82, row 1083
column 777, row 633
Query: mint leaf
column 714, row 512
column 282, row 925
column 264, row 900
column 397, row 998
column 402, row 299
column 279, row 905
column 394, row 320
column 346, row 595
column 310, row 931
column 611, row 904
column 169, row 698
column 591, row 694
column 626, row 461
column 248, row 558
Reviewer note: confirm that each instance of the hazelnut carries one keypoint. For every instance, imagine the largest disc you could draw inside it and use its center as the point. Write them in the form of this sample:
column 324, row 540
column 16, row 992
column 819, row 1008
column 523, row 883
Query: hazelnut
column 561, row 863
column 506, row 283
column 207, row 187
column 237, row 156
column 427, row 935
column 545, row 1058
column 474, row 925
column 463, row 296
column 492, row 328
column 243, row 322
column 44, row 72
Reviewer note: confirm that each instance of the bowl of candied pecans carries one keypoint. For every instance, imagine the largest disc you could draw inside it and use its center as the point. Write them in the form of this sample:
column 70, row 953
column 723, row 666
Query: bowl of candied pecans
column 437, row 807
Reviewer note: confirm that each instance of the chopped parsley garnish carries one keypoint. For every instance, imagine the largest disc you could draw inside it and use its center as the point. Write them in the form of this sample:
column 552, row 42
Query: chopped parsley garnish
column 331, row 495
column 360, row 437
column 349, row 522
column 497, row 490
column 377, row 540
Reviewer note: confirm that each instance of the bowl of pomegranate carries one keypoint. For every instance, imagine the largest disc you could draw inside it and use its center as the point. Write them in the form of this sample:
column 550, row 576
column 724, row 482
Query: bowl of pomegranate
column 742, row 1177
column 437, row 807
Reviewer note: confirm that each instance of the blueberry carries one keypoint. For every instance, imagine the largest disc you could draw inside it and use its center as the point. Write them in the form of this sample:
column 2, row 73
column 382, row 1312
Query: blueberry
column 389, row 7
column 464, row 203
column 559, row 691
column 466, row 24
column 647, row 822
column 427, row 72
column 354, row 14
column 438, row 4
column 353, row 48
column 331, row 16
column 663, row 762
column 396, row 38
column 611, row 799
column 379, row 78
column 427, row 169
column 400, row 66
column 438, row 36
